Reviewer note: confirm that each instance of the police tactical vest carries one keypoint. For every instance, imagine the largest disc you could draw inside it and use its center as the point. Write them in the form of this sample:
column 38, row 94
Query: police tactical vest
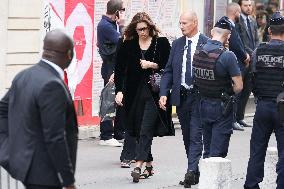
column 208, row 82
column 269, row 76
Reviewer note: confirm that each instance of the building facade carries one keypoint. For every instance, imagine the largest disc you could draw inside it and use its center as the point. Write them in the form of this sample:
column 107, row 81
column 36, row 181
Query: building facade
column 24, row 24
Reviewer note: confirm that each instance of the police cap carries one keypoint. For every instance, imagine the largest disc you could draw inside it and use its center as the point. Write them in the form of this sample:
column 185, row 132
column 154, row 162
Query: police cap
column 224, row 23
column 277, row 18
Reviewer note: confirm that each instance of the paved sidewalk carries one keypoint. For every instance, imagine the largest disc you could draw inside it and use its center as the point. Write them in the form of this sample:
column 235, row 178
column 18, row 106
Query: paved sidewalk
column 98, row 167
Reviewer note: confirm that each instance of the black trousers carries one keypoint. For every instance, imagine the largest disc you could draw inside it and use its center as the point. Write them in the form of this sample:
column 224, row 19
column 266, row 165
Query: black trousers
column 33, row 186
column 244, row 95
column 119, row 123
column 143, row 148
column 129, row 147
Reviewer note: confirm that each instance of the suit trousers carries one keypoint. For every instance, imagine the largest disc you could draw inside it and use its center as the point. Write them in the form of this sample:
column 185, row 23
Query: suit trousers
column 244, row 95
column 143, row 148
column 266, row 120
column 189, row 117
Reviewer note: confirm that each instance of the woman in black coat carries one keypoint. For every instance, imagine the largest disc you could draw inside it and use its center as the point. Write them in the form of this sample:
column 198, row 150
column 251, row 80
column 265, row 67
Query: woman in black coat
column 141, row 54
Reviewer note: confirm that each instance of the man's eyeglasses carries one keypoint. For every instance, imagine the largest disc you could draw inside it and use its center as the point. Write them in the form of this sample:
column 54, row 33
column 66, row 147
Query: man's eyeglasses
column 122, row 9
column 142, row 29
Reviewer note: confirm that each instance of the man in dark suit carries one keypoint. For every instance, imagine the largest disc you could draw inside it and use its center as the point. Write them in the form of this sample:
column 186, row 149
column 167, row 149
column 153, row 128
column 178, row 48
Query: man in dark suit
column 249, row 36
column 177, row 77
column 39, row 118
column 236, row 46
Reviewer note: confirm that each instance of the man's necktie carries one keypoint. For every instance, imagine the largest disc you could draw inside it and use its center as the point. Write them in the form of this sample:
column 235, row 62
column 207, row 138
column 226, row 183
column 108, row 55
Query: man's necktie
column 188, row 77
column 65, row 78
column 250, row 33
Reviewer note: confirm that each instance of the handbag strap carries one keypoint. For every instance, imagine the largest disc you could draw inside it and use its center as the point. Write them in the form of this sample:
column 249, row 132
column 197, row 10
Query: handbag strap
column 154, row 53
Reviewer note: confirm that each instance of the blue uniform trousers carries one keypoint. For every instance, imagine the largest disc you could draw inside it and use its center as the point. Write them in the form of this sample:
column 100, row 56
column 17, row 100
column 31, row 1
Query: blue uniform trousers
column 266, row 120
column 191, row 129
column 217, row 128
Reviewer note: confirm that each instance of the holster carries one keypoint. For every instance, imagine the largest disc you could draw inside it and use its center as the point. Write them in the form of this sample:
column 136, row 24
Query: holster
column 227, row 104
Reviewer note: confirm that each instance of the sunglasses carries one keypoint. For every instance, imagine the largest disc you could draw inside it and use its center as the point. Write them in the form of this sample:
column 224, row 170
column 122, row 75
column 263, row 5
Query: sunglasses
column 142, row 29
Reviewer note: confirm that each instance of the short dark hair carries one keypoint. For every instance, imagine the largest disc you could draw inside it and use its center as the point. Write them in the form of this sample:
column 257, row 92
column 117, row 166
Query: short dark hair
column 113, row 6
column 241, row 2
column 277, row 29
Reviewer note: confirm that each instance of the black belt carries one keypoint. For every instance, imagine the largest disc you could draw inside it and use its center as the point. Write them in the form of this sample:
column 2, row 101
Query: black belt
column 186, row 92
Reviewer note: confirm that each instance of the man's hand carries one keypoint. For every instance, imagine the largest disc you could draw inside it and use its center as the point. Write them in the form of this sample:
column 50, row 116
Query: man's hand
column 119, row 98
column 163, row 102
column 247, row 61
column 111, row 78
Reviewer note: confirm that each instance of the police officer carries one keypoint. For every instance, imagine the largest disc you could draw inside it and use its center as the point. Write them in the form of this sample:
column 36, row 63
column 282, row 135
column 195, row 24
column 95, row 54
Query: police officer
column 268, row 83
column 217, row 77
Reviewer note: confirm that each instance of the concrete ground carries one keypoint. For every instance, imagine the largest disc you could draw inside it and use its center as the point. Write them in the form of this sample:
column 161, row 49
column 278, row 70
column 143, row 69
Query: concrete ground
column 98, row 167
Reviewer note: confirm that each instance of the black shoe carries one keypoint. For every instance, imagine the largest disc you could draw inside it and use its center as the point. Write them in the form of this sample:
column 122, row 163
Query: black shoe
column 243, row 123
column 190, row 178
column 136, row 174
column 237, row 126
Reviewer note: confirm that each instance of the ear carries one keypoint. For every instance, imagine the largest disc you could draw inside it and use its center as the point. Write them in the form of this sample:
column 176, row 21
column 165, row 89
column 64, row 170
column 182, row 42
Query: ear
column 269, row 31
column 70, row 54
column 212, row 32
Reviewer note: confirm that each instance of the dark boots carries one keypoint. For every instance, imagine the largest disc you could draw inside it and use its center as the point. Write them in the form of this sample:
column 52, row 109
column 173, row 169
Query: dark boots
column 191, row 178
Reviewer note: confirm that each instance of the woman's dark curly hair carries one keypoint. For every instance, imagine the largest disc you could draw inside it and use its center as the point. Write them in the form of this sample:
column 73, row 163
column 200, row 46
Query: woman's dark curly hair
column 130, row 30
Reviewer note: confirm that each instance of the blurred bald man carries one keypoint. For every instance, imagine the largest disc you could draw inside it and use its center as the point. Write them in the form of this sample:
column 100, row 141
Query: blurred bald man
column 177, row 79
column 38, row 115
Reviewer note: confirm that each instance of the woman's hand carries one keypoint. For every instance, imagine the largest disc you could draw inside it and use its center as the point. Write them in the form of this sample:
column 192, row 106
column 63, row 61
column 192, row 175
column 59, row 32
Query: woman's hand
column 147, row 64
column 119, row 98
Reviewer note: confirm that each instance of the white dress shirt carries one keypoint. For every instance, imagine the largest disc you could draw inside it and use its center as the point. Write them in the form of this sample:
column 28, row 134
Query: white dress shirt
column 245, row 19
column 194, row 41
column 56, row 67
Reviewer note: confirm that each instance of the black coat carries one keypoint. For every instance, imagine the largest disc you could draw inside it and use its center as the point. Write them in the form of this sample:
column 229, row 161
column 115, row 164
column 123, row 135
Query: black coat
column 39, row 119
column 131, row 79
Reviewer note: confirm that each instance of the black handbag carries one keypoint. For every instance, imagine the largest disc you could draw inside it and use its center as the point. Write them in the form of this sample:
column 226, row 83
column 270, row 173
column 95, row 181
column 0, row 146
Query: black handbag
column 155, row 80
column 155, row 77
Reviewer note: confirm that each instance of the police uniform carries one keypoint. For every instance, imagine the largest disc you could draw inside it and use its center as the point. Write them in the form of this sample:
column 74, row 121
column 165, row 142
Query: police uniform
column 268, row 83
column 213, row 67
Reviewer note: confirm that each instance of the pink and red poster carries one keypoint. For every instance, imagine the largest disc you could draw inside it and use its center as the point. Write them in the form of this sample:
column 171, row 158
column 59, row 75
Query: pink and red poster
column 77, row 18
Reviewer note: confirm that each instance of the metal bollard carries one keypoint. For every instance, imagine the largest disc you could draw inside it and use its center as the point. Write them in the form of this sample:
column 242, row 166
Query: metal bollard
column 215, row 173
column 10, row 183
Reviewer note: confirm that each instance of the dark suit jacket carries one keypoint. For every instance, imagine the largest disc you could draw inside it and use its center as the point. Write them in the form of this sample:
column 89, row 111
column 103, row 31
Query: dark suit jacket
column 237, row 47
column 245, row 35
column 171, row 79
column 41, row 128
